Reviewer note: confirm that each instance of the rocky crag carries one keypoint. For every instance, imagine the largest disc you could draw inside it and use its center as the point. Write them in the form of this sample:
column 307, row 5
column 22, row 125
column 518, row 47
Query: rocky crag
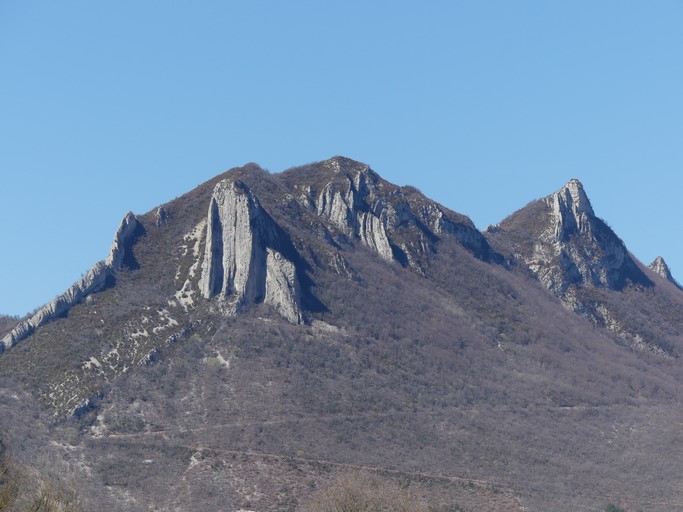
column 660, row 267
column 243, row 261
column 398, row 223
column 577, row 257
column 571, row 247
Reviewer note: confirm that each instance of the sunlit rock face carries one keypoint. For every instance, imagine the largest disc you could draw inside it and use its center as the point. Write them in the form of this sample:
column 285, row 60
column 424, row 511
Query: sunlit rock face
column 355, row 209
column 398, row 223
column 577, row 248
column 242, row 264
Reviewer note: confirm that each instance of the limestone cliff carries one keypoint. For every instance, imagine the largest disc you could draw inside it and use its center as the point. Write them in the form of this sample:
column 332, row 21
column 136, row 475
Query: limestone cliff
column 353, row 207
column 282, row 289
column 243, row 261
column 96, row 279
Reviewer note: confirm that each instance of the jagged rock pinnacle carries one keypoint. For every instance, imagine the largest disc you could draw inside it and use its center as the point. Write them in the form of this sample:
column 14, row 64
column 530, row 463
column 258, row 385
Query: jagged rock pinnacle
column 117, row 253
column 661, row 268
column 579, row 197
column 94, row 280
column 572, row 210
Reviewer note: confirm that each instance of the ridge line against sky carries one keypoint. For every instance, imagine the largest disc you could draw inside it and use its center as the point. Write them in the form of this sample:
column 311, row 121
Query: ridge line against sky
column 110, row 108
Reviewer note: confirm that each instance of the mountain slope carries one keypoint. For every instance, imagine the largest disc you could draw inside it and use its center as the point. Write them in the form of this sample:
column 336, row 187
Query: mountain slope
column 268, row 332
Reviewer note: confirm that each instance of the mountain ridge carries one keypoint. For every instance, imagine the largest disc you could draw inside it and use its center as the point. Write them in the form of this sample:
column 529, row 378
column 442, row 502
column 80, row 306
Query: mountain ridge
column 368, row 228
column 325, row 318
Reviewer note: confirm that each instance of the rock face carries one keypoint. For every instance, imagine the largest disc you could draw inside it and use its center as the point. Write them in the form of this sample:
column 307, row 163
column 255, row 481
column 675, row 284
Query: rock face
column 577, row 248
column 352, row 206
column 661, row 268
column 161, row 216
column 398, row 223
column 96, row 279
column 120, row 254
column 242, row 264
column 282, row 290
column 248, row 260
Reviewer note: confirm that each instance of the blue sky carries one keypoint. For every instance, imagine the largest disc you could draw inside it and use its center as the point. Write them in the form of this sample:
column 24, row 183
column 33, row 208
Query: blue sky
column 107, row 107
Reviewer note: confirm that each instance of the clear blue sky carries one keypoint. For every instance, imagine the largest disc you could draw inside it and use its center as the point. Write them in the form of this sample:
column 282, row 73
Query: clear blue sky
column 107, row 107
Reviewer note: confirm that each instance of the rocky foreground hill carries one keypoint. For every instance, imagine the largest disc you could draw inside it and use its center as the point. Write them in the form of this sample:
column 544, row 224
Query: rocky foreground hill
column 248, row 342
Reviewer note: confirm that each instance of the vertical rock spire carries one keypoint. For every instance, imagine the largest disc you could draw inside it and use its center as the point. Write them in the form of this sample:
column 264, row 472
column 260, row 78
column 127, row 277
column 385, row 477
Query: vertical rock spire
column 243, row 263
column 572, row 210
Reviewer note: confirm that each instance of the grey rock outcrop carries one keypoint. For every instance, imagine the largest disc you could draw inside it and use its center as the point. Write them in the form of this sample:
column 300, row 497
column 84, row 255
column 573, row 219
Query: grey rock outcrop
column 282, row 289
column 661, row 268
column 577, row 248
column 161, row 216
column 120, row 247
column 572, row 252
column 94, row 280
column 398, row 223
column 352, row 207
column 571, row 210
column 243, row 261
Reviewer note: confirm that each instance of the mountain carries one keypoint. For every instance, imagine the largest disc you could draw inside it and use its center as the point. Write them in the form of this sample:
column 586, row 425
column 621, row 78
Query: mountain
column 249, row 342
column 580, row 260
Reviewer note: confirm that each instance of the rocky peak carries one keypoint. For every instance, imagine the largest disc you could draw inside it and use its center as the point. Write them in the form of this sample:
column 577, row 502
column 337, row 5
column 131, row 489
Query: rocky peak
column 572, row 210
column 569, row 249
column 566, row 245
column 119, row 253
column 661, row 268
column 579, row 198
column 577, row 248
